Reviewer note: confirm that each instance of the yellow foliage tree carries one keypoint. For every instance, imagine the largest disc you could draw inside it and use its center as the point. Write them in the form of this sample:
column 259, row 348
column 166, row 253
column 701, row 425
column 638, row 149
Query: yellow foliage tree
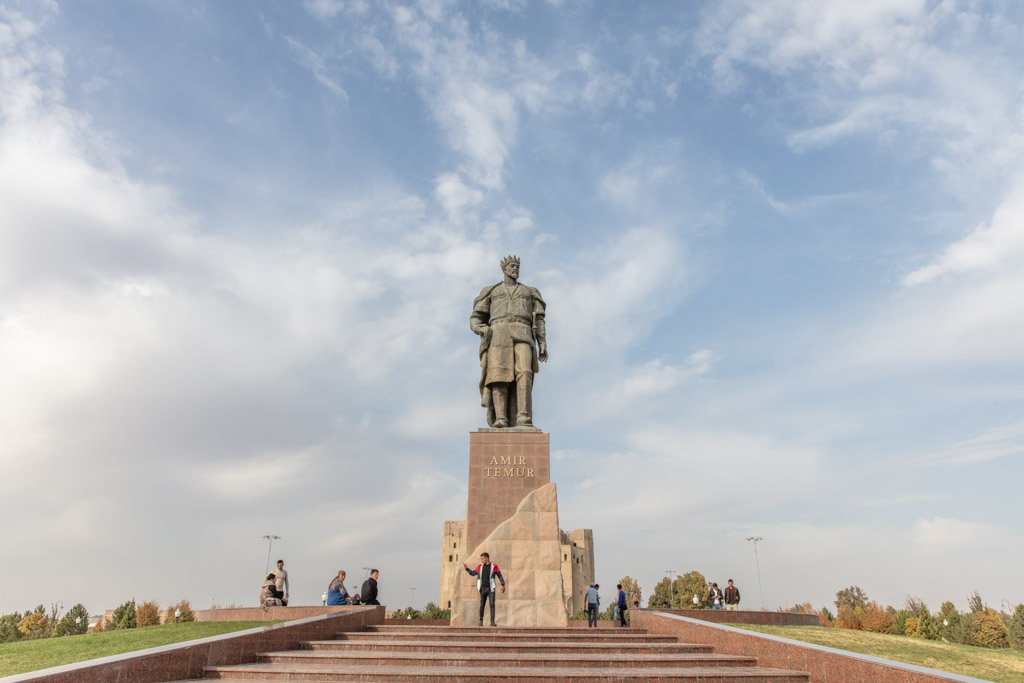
column 147, row 614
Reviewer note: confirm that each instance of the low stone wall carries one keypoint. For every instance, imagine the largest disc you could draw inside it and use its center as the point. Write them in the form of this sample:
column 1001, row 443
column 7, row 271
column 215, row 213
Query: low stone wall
column 187, row 660
column 271, row 613
column 825, row 664
column 746, row 616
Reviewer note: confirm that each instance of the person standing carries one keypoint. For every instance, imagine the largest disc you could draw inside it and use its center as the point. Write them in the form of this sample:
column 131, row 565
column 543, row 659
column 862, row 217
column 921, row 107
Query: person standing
column 622, row 606
column 368, row 595
column 283, row 586
column 715, row 596
column 593, row 600
column 732, row 597
column 337, row 594
column 486, row 574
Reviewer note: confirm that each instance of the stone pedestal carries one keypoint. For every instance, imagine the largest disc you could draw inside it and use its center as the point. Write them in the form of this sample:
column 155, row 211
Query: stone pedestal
column 527, row 549
column 504, row 466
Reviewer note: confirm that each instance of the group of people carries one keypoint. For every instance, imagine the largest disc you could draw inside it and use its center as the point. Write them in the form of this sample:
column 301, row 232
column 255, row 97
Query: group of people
column 337, row 594
column 728, row 599
column 594, row 602
column 276, row 591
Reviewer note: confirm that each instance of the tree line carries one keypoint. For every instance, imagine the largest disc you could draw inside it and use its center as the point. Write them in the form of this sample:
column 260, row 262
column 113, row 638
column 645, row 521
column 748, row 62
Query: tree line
column 979, row 625
column 40, row 623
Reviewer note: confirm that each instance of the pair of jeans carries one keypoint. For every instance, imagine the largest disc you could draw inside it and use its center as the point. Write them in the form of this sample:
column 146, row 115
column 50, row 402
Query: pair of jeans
column 592, row 614
column 622, row 615
column 486, row 593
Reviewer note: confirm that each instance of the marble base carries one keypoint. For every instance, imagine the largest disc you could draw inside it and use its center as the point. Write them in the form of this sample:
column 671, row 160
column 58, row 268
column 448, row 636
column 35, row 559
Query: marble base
column 527, row 549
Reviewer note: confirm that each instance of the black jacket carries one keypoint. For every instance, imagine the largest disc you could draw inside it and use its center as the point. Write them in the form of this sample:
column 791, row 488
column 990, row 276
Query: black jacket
column 368, row 595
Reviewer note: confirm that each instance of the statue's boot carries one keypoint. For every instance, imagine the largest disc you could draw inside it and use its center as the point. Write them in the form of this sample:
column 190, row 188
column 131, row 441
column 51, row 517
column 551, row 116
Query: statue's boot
column 524, row 398
column 499, row 396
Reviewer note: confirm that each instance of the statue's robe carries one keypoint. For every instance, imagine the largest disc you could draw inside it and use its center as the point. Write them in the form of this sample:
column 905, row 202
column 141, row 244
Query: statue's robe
column 514, row 317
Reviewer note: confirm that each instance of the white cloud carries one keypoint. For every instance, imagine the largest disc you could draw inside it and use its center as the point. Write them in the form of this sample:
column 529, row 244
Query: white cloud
column 987, row 247
column 316, row 65
column 943, row 536
column 998, row 442
column 324, row 9
column 908, row 70
column 655, row 377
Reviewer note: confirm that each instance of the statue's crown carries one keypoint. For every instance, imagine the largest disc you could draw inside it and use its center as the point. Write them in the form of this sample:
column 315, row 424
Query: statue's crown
column 509, row 259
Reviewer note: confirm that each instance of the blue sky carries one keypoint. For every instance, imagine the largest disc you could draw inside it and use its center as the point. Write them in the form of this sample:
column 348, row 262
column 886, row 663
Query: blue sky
column 781, row 245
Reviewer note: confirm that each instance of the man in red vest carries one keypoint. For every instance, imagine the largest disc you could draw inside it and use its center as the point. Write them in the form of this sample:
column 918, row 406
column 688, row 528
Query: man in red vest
column 486, row 573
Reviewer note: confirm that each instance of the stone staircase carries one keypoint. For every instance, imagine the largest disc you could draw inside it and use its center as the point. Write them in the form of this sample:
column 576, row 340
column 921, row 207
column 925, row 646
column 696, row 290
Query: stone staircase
column 429, row 654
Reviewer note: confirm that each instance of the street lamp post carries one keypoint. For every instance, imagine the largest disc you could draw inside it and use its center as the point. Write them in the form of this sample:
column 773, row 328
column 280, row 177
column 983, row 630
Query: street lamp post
column 412, row 599
column 757, row 564
column 671, row 588
column 696, row 601
column 271, row 538
column 177, row 615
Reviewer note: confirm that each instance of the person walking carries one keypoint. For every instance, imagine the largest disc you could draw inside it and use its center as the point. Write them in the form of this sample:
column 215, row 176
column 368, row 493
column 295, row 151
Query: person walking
column 715, row 596
column 368, row 595
column 593, row 600
column 732, row 597
column 622, row 607
column 486, row 573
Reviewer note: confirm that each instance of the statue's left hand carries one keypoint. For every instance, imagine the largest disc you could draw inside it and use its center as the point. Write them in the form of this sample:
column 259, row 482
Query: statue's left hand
column 543, row 355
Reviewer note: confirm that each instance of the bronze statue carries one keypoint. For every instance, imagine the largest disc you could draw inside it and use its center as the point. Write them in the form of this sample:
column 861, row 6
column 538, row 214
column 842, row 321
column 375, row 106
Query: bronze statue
column 509, row 317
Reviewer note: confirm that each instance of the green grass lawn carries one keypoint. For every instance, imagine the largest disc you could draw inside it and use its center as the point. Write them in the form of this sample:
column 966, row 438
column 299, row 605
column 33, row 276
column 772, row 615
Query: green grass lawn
column 32, row 655
column 1003, row 666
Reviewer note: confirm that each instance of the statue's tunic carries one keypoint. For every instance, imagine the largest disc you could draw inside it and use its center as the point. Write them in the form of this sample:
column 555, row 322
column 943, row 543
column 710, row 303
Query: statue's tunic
column 514, row 317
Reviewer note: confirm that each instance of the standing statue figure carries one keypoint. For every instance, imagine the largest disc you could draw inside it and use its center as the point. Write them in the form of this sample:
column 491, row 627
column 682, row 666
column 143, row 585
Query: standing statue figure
column 509, row 317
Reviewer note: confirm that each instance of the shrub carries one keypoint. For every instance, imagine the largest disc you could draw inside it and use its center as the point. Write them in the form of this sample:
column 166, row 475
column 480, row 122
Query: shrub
column 123, row 617
column 989, row 630
column 74, row 623
column 850, row 617
column 1016, row 628
column 877, row 619
column 9, row 627
column 186, row 612
column 686, row 586
column 927, row 627
column 432, row 611
column 35, row 625
column 914, row 605
column 910, row 627
column 975, row 604
column 961, row 630
column 661, row 595
column 899, row 621
column 852, row 596
column 825, row 617
column 147, row 614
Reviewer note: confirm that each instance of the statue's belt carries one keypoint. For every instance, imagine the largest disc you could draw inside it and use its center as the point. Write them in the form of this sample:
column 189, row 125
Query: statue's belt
column 511, row 319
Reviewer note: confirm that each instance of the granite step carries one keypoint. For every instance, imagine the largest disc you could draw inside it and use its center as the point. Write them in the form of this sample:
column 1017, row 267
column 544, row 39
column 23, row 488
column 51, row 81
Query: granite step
column 516, row 635
column 403, row 628
column 416, row 674
column 438, row 645
column 459, row 658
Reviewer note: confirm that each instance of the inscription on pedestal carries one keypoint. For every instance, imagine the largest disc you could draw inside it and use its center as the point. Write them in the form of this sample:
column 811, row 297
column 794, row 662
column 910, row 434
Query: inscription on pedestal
column 504, row 466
